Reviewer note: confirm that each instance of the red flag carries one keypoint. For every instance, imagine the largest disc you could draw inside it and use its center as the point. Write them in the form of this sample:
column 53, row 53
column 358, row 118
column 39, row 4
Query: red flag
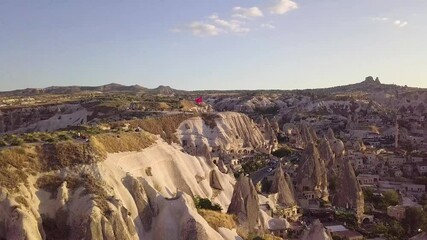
column 199, row 100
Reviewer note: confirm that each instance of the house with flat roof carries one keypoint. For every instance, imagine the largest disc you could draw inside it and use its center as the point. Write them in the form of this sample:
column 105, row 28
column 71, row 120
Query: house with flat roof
column 368, row 179
column 422, row 168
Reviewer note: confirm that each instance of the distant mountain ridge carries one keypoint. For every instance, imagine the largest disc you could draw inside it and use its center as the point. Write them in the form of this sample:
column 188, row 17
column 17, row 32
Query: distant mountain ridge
column 112, row 87
column 369, row 85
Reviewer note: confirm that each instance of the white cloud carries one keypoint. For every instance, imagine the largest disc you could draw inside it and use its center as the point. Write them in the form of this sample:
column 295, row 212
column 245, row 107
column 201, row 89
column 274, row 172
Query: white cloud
column 202, row 29
column 268, row 26
column 399, row 23
column 234, row 26
column 252, row 12
column 283, row 6
column 213, row 16
column 213, row 27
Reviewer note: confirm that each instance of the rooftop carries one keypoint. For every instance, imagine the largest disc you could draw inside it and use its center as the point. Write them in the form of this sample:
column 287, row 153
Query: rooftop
column 336, row 228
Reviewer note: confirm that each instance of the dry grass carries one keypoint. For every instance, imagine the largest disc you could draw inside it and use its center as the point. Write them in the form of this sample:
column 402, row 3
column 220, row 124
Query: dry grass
column 217, row 219
column 95, row 187
column 17, row 162
column 66, row 154
column 164, row 126
column 186, row 105
column 51, row 182
column 121, row 142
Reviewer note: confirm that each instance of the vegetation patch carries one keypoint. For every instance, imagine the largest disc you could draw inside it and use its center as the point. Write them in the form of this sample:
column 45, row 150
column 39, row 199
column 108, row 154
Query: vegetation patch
column 67, row 154
column 165, row 126
column 121, row 142
column 282, row 152
column 217, row 219
column 204, row 203
column 15, row 164
column 381, row 202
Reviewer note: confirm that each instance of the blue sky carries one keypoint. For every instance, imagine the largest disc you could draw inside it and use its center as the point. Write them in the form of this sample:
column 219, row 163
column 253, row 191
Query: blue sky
column 207, row 44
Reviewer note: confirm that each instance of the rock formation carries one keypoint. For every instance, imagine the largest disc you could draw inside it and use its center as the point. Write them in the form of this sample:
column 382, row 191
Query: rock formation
column 327, row 155
column 281, row 186
column 348, row 193
column 306, row 134
column 214, row 180
column 311, row 173
column 140, row 196
column 244, row 203
column 227, row 132
column 316, row 231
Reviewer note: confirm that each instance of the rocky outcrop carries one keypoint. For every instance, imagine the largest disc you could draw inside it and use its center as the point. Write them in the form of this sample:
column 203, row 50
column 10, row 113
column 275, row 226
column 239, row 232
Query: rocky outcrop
column 131, row 195
column 244, row 203
column 290, row 183
column 280, row 185
column 311, row 173
column 306, row 134
column 327, row 155
column 316, row 231
column 43, row 118
column 214, row 180
column 145, row 211
column 221, row 165
column 177, row 218
column 330, row 135
column 227, row 132
column 348, row 193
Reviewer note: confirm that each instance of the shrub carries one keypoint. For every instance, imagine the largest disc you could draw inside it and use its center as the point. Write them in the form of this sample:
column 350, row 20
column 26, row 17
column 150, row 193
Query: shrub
column 204, row 203
column 282, row 152
column 30, row 138
column 16, row 141
column 64, row 137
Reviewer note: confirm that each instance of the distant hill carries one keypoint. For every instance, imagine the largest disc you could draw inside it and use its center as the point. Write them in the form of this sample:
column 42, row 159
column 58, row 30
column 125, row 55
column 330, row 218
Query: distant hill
column 369, row 85
column 109, row 88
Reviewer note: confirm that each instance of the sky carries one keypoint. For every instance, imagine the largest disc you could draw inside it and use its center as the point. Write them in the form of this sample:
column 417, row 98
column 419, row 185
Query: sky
column 212, row 44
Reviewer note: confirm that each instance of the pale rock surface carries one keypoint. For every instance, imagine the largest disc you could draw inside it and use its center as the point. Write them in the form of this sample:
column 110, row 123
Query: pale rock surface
column 311, row 173
column 245, row 203
column 316, row 231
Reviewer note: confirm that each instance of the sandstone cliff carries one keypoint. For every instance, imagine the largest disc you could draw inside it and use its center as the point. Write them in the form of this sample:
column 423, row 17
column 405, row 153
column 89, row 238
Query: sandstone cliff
column 144, row 194
column 229, row 133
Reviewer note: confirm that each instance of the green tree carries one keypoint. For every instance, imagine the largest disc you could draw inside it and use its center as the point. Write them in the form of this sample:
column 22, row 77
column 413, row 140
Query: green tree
column 380, row 228
column 415, row 218
column 395, row 231
column 391, row 197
